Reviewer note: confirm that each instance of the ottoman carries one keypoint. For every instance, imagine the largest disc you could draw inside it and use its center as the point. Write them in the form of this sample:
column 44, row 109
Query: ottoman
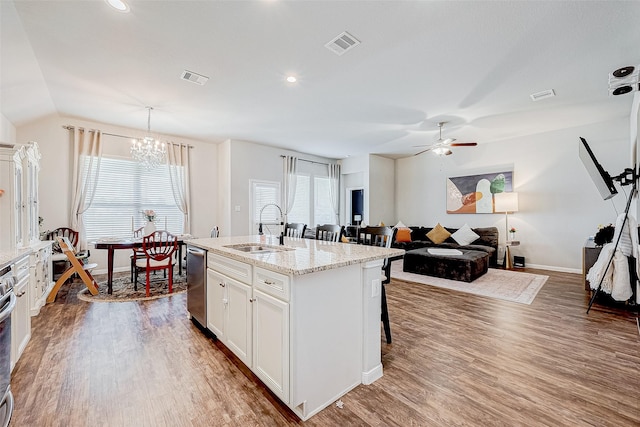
column 466, row 267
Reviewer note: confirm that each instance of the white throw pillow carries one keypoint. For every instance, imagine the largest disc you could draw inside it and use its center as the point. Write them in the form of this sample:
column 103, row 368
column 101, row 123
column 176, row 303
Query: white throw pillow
column 400, row 225
column 465, row 236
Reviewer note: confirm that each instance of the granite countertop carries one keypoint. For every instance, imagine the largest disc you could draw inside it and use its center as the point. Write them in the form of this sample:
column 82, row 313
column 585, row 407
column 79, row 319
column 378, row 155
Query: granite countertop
column 305, row 255
column 9, row 256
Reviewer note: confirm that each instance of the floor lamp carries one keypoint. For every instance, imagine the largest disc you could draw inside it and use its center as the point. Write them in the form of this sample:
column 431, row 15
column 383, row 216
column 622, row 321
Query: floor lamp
column 506, row 202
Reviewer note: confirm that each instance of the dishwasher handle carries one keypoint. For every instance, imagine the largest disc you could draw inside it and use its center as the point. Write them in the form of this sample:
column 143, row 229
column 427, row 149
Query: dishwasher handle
column 196, row 252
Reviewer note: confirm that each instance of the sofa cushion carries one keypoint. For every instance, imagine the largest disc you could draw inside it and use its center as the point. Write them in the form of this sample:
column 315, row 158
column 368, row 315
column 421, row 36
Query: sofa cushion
column 438, row 234
column 465, row 235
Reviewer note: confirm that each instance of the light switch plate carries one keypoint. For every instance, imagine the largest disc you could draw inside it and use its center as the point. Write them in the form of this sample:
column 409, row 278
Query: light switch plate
column 237, row 208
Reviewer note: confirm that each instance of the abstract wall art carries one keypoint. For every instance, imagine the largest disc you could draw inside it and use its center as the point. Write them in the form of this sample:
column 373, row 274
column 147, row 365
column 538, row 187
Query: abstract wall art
column 474, row 193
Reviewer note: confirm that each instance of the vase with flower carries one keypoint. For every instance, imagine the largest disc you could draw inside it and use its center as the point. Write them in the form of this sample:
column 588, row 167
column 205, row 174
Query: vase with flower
column 512, row 234
column 150, row 216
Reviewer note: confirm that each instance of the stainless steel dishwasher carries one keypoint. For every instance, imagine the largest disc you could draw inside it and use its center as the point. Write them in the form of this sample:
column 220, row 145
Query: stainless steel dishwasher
column 196, row 285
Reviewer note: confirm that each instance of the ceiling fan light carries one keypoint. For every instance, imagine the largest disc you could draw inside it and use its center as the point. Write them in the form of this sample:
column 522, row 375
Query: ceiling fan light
column 441, row 151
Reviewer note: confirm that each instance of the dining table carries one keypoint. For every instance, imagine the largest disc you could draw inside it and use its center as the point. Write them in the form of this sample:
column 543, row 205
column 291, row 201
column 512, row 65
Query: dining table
column 113, row 244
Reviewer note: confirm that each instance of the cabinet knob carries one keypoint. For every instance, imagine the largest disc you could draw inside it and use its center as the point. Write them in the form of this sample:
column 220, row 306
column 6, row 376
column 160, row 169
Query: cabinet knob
column 252, row 299
column 268, row 282
column 221, row 284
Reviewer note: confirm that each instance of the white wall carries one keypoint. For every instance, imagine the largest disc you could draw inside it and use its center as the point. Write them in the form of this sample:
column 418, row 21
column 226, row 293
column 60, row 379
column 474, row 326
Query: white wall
column 258, row 162
column 382, row 190
column 7, row 131
column 559, row 205
column 55, row 175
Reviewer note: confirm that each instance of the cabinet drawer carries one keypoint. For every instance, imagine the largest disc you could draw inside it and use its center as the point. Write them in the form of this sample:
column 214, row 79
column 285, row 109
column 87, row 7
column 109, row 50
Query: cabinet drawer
column 21, row 268
column 232, row 268
column 271, row 283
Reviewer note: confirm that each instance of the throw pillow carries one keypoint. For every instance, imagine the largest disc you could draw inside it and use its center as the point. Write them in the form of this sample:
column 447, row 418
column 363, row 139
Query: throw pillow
column 438, row 234
column 465, row 236
column 403, row 235
column 344, row 239
column 400, row 225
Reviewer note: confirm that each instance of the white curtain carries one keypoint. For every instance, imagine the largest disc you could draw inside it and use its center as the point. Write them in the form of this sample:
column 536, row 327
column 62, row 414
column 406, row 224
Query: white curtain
column 179, row 162
column 334, row 188
column 87, row 153
column 290, row 182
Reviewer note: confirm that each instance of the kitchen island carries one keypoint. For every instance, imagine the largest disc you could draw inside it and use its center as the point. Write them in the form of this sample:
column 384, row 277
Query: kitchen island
column 304, row 317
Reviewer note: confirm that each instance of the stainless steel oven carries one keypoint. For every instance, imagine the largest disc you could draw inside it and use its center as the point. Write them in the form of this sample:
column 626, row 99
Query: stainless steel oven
column 7, row 304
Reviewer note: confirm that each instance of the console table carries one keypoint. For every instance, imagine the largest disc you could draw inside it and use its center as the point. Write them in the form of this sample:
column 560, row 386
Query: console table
column 590, row 254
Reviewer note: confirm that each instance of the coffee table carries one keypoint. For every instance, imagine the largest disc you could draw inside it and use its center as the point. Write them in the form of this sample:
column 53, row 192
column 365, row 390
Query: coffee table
column 466, row 266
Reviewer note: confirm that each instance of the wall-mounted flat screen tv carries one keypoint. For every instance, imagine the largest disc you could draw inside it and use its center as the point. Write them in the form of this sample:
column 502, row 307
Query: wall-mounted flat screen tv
column 599, row 176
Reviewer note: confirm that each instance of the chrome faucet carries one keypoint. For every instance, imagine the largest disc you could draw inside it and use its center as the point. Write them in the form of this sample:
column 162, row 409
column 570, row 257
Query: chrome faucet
column 281, row 222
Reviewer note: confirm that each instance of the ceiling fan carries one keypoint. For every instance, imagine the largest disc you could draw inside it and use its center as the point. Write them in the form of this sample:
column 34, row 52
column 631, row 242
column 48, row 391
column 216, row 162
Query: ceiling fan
column 441, row 148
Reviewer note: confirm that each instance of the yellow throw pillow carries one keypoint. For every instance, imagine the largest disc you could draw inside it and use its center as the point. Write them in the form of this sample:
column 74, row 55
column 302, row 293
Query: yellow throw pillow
column 343, row 239
column 438, row 234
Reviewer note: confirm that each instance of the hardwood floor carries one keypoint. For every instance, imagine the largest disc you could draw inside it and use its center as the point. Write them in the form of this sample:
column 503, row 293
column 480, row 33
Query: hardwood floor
column 456, row 359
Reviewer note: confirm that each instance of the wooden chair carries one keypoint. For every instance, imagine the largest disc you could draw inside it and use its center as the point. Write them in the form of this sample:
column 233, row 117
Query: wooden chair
column 77, row 267
column 380, row 236
column 295, row 229
column 59, row 260
column 158, row 248
column 137, row 252
column 329, row 232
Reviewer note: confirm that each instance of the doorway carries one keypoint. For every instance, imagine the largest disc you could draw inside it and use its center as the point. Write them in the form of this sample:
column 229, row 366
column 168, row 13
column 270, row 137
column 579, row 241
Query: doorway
column 355, row 206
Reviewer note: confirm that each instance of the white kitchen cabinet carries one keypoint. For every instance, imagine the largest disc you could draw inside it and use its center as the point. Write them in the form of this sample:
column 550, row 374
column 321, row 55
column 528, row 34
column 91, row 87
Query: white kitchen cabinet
column 216, row 304
column 40, row 276
column 13, row 206
column 238, row 326
column 20, row 317
column 271, row 343
column 229, row 313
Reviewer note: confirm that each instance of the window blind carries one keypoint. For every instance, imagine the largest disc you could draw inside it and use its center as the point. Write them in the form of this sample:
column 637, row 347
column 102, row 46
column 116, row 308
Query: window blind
column 123, row 191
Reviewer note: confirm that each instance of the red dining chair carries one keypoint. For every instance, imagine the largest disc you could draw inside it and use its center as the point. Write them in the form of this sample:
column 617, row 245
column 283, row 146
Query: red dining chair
column 137, row 252
column 158, row 248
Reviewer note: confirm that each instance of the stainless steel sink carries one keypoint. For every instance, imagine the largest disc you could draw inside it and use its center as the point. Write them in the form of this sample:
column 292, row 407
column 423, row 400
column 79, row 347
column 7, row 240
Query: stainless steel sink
column 256, row 248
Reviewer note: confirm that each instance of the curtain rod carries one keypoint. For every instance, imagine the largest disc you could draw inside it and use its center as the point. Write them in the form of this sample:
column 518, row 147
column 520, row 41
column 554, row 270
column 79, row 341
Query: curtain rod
column 69, row 127
column 309, row 161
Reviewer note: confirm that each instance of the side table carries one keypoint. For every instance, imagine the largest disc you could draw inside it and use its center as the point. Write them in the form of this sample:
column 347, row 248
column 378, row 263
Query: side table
column 507, row 264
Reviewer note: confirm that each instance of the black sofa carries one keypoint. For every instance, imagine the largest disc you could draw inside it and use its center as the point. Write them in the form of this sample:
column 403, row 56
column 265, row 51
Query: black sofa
column 487, row 242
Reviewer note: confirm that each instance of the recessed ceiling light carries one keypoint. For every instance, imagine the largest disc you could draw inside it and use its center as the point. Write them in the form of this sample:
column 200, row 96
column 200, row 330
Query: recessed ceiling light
column 292, row 79
column 119, row 5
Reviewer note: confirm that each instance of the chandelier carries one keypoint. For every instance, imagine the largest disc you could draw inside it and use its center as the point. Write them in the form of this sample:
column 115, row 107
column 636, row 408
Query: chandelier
column 149, row 152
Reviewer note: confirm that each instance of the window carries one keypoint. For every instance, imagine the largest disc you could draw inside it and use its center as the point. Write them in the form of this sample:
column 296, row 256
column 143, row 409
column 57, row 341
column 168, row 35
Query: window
column 265, row 193
column 312, row 203
column 123, row 191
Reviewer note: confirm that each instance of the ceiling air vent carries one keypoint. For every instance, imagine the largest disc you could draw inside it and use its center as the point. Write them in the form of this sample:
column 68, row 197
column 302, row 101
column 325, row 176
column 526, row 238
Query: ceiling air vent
column 342, row 43
column 542, row 95
column 194, row 77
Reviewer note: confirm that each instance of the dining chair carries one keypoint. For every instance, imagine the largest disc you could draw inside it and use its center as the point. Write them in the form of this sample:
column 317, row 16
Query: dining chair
column 380, row 236
column 137, row 252
column 83, row 270
column 158, row 248
column 329, row 232
column 295, row 229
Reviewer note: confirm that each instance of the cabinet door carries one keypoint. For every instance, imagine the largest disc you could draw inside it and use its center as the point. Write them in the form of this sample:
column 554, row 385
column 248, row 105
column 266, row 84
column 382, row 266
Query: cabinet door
column 271, row 343
column 238, row 322
column 20, row 321
column 216, row 302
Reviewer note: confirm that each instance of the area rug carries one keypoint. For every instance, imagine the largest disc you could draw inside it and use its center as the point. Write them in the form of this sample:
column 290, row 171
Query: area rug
column 123, row 289
column 507, row 285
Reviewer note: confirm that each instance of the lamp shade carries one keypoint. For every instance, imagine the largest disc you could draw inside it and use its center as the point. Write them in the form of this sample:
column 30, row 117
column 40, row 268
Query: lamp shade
column 505, row 202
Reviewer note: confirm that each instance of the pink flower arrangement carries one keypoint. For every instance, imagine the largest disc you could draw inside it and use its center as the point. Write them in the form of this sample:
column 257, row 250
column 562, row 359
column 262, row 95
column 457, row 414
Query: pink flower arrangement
column 149, row 214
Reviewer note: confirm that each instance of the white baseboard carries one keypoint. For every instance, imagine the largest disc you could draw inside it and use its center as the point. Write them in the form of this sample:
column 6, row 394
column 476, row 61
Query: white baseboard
column 555, row 268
